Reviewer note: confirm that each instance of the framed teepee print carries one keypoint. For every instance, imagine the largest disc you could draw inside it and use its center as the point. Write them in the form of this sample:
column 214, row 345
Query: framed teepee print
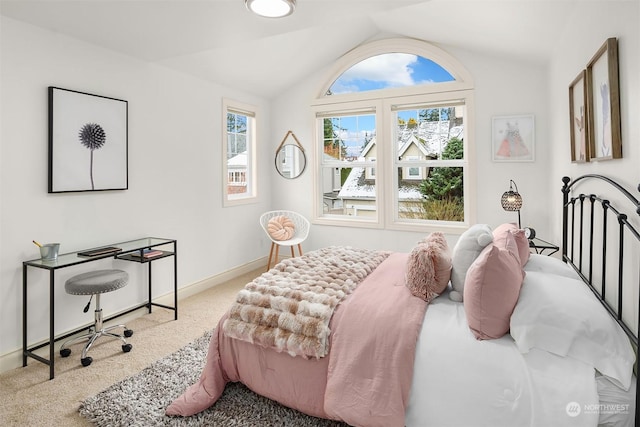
column 513, row 138
column 88, row 142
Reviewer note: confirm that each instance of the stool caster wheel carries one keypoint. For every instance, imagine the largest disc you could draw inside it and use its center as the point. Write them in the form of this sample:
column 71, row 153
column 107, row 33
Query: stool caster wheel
column 65, row 352
column 128, row 333
column 86, row 361
column 127, row 348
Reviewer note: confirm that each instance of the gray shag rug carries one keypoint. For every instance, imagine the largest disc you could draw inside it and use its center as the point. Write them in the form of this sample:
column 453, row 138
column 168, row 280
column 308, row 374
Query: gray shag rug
column 140, row 400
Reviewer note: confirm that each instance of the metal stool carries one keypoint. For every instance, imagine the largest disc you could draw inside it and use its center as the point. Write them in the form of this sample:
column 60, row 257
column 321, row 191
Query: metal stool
column 96, row 283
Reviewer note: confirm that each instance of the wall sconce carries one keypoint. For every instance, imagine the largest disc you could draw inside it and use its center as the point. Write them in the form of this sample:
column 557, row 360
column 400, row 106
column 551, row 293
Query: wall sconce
column 512, row 200
column 271, row 8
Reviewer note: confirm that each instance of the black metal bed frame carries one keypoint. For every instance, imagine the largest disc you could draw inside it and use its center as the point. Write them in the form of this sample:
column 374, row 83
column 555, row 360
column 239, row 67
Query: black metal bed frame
column 578, row 227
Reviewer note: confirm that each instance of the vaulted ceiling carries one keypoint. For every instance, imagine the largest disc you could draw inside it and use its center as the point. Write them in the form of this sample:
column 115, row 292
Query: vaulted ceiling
column 219, row 40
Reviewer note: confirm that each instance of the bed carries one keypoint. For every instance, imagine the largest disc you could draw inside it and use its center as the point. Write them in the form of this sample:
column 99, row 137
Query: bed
column 374, row 338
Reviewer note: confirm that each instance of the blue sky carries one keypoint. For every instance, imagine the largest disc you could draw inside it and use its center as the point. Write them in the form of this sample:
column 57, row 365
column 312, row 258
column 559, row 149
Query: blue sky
column 390, row 70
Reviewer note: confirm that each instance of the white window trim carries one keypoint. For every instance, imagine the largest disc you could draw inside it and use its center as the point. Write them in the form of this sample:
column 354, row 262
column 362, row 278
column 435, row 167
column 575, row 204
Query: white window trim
column 340, row 220
column 386, row 198
column 252, row 174
column 470, row 189
column 463, row 78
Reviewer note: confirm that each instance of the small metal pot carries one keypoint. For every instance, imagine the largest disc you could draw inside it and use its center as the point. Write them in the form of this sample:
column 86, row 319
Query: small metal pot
column 49, row 252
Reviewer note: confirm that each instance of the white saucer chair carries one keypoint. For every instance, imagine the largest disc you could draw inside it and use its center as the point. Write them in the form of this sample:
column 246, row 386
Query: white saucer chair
column 288, row 228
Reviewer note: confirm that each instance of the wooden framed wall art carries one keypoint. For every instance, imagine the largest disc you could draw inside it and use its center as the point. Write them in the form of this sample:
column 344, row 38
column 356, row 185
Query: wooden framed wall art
column 578, row 119
column 603, row 95
column 88, row 142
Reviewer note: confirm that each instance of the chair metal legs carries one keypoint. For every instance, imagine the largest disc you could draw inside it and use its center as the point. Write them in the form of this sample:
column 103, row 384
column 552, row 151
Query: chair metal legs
column 95, row 332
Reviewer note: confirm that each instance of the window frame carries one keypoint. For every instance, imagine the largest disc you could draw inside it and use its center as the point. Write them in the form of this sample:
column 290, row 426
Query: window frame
column 251, row 174
column 383, row 101
column 343, row 109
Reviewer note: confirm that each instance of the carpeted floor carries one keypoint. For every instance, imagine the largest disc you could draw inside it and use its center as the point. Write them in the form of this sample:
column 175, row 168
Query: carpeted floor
column 29, row 398
column 140, row 400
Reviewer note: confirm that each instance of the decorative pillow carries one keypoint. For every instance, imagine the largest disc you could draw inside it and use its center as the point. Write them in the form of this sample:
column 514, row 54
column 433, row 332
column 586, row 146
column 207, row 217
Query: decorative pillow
column 429, row 267
column 466, row 250
column 518, row 234
column 550, row 265
column 281, row 227
column 562, row 316
column 491, row 289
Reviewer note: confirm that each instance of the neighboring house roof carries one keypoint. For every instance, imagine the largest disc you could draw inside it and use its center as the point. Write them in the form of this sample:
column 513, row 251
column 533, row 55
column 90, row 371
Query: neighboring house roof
column 355, row 187
column 413, row 140
column 238, row 161
column 430, row 137
column 368, row 147
column 433, row 135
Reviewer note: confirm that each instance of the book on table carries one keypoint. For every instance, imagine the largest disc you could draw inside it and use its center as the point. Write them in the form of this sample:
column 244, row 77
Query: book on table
column 147, row 253
column 100, row 251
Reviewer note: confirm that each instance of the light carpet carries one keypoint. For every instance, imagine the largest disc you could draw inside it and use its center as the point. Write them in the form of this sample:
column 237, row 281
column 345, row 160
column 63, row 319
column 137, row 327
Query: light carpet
column 140, row 400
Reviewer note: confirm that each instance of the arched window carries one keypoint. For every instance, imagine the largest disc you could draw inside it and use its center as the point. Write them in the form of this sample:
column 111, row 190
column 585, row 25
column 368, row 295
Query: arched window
column 389, row 70
column 394, row 139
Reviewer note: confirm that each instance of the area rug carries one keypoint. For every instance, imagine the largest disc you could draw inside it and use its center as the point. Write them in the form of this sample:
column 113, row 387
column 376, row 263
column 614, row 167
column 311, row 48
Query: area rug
column 140, row 400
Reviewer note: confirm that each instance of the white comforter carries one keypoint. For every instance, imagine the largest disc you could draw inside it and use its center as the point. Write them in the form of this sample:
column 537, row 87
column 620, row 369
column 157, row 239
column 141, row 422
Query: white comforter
column 533, row 389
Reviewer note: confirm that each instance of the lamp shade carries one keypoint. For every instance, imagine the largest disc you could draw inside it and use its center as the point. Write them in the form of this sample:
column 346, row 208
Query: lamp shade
column 271, row 8
column 511, row 201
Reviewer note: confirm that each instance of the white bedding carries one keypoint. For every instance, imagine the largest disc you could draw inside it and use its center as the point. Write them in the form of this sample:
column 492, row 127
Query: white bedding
column 537, row 395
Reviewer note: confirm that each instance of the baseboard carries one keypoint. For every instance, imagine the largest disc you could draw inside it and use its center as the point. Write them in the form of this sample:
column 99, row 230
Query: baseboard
column 13, row 359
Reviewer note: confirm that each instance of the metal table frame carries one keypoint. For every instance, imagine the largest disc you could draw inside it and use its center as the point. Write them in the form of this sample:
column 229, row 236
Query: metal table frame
column 128, row 252
column 540, row 246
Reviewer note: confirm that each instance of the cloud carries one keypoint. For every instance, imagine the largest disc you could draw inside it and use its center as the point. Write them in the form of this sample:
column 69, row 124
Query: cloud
column 388, row 70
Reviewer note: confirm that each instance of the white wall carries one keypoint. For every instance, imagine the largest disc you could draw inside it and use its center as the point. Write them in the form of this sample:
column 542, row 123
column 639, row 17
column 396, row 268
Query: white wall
column 175, row 181
column 585, row 34
column 503, row 87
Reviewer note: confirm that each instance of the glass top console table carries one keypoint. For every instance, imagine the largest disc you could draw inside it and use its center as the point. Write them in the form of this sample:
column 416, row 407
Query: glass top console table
column 133, row 250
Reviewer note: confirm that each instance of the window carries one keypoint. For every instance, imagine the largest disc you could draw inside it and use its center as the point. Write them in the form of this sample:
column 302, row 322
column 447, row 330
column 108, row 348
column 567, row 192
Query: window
column 429, row 157
column 348, row 150
column 394, row 140
column 239, row 159
column 405, row 70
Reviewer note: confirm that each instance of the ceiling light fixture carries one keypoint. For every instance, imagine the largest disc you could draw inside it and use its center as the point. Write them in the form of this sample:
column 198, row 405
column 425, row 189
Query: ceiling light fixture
column 271, row 8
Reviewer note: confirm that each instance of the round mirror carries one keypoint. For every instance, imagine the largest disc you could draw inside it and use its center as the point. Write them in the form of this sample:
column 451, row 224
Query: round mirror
column 290, row 161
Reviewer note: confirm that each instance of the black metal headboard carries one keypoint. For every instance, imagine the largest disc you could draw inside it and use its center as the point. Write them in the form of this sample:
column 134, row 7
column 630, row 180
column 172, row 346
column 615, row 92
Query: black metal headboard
column 601, row 242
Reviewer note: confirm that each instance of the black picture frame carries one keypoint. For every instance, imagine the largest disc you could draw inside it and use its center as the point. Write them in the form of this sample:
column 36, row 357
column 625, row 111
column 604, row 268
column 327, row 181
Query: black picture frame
column 88, row 142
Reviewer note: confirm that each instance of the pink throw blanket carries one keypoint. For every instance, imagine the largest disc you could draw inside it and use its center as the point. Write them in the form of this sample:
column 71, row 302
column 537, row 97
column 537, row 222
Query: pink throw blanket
column 364, row 380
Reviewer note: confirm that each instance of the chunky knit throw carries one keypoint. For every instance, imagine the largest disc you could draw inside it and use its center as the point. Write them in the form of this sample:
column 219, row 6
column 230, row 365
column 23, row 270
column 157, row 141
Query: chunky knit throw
column 289, row 307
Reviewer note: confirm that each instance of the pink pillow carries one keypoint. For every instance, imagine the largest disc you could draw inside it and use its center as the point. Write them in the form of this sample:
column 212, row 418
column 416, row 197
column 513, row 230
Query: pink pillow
column 491, row 289
column 518, row 234
column 429, row 267
column 281, row 227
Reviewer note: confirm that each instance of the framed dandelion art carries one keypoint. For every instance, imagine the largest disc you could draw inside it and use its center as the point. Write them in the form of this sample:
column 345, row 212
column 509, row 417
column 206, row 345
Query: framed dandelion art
column 88, row 142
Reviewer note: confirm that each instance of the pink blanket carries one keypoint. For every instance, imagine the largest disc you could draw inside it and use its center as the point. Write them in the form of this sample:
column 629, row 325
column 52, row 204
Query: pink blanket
column 364, row 380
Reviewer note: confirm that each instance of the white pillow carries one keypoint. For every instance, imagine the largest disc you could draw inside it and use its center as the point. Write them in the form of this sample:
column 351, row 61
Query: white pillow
column 550, row 265
column 467, row 248
column 562, row 316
